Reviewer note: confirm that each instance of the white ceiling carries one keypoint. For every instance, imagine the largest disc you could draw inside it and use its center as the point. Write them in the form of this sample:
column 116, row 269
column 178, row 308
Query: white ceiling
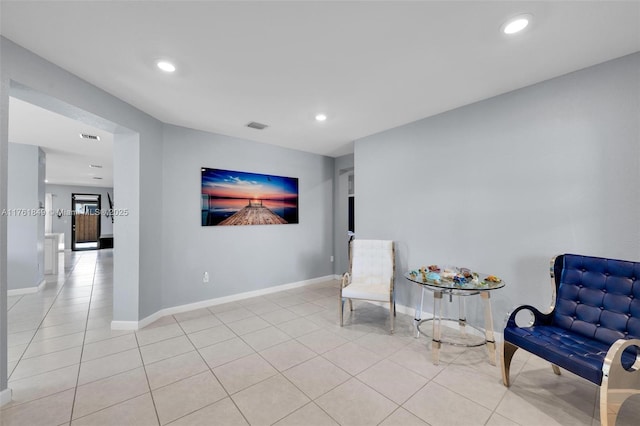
column 68, row 156
column 369, row 66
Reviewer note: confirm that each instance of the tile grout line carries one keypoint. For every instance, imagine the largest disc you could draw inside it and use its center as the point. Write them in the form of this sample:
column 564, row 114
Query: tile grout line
column 465, row 397
column 56, row 351
column 75, row 391
column 107, row 407
column 15, row 303
column 41, row 321
column 153, row 400
column 494, row 411
column 278, row 372
column 313, row 400
column 56, row 369
column 214, row 375
column 322, row 326
column 398, row 406
column 112, row 405
column 115, row 353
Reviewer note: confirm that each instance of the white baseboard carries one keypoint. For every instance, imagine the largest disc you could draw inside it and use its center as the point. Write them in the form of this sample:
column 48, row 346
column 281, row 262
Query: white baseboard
column 5, row 396
column 136, row 325
column 127, row 325
column 26, row 290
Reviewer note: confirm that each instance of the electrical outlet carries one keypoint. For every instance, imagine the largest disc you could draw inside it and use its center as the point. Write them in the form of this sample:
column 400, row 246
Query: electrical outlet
column 205, row 277
column 331, row 258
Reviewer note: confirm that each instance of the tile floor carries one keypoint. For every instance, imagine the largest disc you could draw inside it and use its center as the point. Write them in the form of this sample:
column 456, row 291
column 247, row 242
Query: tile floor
column 277, row 359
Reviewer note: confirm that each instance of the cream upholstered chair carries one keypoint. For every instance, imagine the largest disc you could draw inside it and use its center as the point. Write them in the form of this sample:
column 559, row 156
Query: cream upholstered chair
column 371, row 276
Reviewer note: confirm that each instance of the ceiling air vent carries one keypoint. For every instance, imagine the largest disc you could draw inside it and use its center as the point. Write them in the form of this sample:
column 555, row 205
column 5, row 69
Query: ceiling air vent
column 97, row 178
column 90, row 137
column 258, row 126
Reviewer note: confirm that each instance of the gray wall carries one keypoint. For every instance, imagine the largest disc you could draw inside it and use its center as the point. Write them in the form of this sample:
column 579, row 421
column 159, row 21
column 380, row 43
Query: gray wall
column 25, row 234
column 502, row 185
column 239, row 258
column 4, row 173
column 142, row 169
column 62, row 201
column 42, row 174
column 343, row 168
column 137, row 155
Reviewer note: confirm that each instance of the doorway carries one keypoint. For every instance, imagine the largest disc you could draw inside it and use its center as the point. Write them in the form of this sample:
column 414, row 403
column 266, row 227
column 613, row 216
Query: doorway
column 351, row 193
column 85, row 221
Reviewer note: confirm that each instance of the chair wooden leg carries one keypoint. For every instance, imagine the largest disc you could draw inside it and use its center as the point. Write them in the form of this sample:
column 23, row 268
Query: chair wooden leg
column 508, row 349
column 350, row 305
column 556, row 369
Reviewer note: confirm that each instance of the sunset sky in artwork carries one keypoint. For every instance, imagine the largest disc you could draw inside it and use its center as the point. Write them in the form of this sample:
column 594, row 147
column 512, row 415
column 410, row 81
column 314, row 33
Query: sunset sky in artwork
column 241, row 185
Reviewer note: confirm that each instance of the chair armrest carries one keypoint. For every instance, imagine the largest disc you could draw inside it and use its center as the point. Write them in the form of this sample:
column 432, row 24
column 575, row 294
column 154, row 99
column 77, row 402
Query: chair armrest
column 618, row 382
column 346, row 279
column 538, row 317
column 613, row 360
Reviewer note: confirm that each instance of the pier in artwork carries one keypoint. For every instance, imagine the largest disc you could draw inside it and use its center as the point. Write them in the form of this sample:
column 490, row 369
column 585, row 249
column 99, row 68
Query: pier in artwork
column 255, row 213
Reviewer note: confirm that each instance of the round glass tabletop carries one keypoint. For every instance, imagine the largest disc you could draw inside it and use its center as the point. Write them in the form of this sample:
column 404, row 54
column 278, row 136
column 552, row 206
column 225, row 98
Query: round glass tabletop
column 454, row 278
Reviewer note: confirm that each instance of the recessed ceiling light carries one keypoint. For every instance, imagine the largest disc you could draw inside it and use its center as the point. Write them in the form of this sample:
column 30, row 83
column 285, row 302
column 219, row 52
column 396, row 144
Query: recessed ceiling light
column 166, row 66
column 46, row 181
column 321, row 117
column 516, row 24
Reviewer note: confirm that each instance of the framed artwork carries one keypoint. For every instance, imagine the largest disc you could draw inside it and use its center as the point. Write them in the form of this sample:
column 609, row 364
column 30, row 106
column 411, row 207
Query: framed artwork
column 230, row 198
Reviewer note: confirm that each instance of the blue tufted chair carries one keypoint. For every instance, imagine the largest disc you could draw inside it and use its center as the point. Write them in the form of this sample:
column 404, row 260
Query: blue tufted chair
column 593, row 329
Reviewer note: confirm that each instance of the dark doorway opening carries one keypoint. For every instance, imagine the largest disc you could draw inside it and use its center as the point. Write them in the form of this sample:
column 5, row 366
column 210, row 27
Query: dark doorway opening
column 85, row 221
column 352, row 215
